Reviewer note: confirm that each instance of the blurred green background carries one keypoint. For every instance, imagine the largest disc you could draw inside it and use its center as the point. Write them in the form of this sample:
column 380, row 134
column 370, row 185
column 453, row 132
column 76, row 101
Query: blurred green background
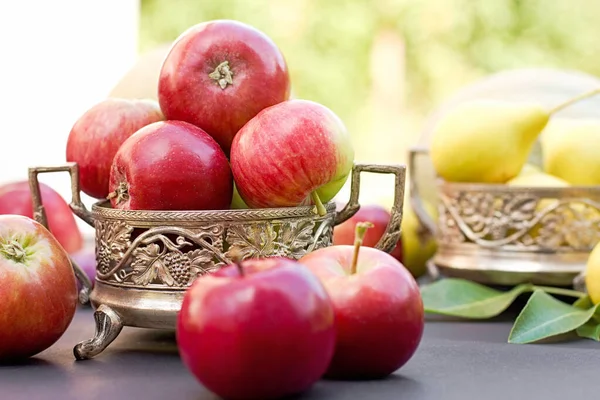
column 384, row 65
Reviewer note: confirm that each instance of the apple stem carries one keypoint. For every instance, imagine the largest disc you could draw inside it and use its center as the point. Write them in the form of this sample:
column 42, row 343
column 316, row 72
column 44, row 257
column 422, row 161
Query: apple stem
column 574, row 100
column 361, row 230
column 14, row 251
column 318, row 203
column 223, row 75
column 236, row 257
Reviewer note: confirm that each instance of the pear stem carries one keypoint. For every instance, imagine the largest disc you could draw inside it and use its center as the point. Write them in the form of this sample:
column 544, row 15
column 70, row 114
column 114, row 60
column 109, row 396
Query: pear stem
column 318, row 203
column 574, row 100
column 236, row 257
column 360, row 231
column 561, row 291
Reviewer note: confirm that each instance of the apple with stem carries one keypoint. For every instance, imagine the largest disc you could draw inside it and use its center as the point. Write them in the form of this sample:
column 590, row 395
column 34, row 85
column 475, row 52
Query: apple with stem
column 257, row 329
column 294, row 153
column 97, row 135
column 220, row 74
column 377, row 215
column 378, row 308
column 414, row 248
column 38, row 290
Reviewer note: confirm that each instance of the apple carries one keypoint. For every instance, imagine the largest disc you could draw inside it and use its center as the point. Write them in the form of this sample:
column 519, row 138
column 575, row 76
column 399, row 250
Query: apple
column 219, row 74
column 413, row 249
column 15, row 198
column 170, row 165
column 257, row 329
column 293, row 153
column 379, row 216
column 97, row 135
column 378, row 308
column 38, row 291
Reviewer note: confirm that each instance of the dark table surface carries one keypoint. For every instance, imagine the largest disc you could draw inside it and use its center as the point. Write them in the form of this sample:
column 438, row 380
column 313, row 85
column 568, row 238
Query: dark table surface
column 456, row 360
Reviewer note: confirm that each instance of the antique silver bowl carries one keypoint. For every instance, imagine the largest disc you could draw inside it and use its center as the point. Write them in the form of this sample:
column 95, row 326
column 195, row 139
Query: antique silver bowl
column 146, row 260
column 503, row 235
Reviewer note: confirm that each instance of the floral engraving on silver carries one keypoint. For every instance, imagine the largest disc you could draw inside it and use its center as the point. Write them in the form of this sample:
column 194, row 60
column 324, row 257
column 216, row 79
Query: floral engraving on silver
column 518, row 219
column 172, row 257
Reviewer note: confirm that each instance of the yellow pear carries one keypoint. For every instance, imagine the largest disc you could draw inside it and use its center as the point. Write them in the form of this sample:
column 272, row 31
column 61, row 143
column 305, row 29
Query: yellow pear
column 415, row 252
column 571, row 150
column 537, row 179
column 486, row 141
column 592, row 275
column 529, row 169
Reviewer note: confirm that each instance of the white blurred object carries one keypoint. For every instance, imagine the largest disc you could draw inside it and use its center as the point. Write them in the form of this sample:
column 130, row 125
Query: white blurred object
column 58, row 59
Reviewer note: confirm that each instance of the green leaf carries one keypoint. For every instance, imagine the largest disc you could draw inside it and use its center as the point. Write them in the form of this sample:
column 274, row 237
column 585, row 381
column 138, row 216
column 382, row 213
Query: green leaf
column 463, row 298
column 590, row 330
column 583, row 303
column 544, row 316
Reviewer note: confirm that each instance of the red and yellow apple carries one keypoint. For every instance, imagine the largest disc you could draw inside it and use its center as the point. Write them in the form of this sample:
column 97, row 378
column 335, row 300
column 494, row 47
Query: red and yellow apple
column 219, row 74
column 258, row 329
column 170, row 165
column 378, row 308
column 97, row 135
column 294, row 153
column 15, row 198
column 38, row 291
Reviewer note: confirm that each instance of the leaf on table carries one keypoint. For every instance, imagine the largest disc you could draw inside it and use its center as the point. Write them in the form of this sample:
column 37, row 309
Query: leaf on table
column 467, row 299
column 544, row 316
column 590, row 330
column 583, row 303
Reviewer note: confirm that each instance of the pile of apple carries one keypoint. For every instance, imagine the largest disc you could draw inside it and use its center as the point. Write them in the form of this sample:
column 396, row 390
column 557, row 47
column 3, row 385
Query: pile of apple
column 223, row 134
column 269, row 328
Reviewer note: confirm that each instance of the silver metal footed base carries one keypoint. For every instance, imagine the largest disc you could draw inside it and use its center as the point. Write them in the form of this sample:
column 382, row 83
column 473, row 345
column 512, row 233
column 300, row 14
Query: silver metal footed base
column 108, row 326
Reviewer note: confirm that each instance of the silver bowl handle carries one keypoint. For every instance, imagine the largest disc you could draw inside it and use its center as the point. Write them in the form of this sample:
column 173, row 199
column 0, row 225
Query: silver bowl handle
column 79, row 209
column 391, row 236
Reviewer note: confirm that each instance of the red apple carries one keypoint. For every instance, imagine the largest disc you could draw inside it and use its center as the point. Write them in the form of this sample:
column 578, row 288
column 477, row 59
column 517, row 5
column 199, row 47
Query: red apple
column 38, row 292
column 170, row 165
column 344, row 233
column 219, row 74
column 414, row 248
column 293, row 153
column 15, row 198
column 378, row 309
column 98, row 134
column 261, row 329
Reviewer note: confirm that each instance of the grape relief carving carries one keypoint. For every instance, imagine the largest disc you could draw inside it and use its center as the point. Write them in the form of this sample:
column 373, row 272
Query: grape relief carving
column 172, row 257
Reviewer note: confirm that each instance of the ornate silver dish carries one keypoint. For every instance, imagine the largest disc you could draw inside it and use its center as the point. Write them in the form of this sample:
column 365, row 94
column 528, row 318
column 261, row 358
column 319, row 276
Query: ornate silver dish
column 503, row 235
column 147, row 259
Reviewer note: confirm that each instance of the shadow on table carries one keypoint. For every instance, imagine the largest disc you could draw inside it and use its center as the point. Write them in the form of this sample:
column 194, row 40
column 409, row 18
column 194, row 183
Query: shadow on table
column 27, row 363
column 393, row 386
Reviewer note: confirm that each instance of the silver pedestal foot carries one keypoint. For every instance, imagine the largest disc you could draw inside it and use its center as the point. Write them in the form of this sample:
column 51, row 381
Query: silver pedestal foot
column 108, row 327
